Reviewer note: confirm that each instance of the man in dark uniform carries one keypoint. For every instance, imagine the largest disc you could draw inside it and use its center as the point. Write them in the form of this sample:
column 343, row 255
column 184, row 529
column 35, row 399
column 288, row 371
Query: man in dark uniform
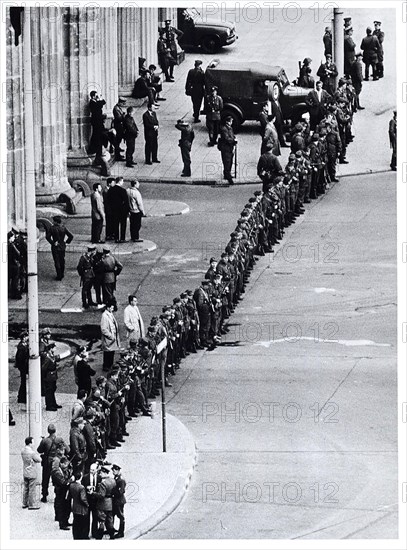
column 327, row 40
column 14, row 259
column 370, row 46
column 85, row 271
column 328, row 72
column 150, row 123
column 110, row 182
column 164, row 55
column 195, row 88
column 48, row 451
column 334, row 145
column 111, row 269
column 130, row 134
column 268, row 168
column 210, row 274
column 203, row 304
column 349, row 51
column 380, row 54
column 185, row 144
column 119, row 112
column 50, row 376
column 104, row 503
column 117, row 197
column 171, row 35
column 119, row 499
column 56, row 237
column 213, row 108
column 226, row 145
column 357, row 78
column 61, row 478
column 393, row 140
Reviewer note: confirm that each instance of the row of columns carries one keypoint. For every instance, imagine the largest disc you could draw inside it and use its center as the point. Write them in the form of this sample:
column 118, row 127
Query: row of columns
column 73, row 52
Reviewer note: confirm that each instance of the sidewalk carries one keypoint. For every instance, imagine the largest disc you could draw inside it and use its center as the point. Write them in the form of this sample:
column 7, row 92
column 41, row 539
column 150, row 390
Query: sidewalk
column 156, row 481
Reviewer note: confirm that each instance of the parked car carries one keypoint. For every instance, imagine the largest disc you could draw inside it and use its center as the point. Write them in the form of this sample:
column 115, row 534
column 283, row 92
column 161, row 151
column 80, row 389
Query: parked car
column 209, row 34
column 245, row 87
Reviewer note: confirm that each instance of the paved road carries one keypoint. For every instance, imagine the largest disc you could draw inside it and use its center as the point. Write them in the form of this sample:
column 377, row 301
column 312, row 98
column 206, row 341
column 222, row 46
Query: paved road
column 302, row 392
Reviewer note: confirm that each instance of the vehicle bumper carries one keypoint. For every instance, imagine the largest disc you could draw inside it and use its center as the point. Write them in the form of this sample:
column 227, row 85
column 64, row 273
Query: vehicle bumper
column 232, row 38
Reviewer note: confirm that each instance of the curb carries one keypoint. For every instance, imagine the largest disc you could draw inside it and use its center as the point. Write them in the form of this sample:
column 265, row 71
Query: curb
column 174, row 500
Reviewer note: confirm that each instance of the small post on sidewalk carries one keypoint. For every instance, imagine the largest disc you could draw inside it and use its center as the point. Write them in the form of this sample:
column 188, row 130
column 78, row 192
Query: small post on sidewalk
column 338, row 42
column 34, row 368
column 163, row 409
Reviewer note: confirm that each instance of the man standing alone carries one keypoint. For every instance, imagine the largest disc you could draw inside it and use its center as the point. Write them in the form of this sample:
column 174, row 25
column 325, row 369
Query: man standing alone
column 136, row 208
column 56, row 237
column 30, row 461
column 226, row 146
column 195, row 88
column 130, row 134
column 150, row 123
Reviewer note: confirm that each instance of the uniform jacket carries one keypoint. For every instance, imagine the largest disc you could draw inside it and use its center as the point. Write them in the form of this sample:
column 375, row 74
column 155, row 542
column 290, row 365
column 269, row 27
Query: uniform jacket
column 187, row 136
column 202, row 300
column 227, row 138
column 349, row 51
column 149, row 121
column 328, row 79
column 30, row 459
column 380, row 36
column 89, row 435
column 357, row 74
column 370, row 46
column 48, row 447
column 110, row 332
column 48, row 367
column 78, row 409
column 104, row 494
column 56, row 237
column 111, row 268
column 85, row 267
column 133, row 322
column 213, row 107
column 80, row 505
column 98, row 208
column 271, row 138
column 118, row 492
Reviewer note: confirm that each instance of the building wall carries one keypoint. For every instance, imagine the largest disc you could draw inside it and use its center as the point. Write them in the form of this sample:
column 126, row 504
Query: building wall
column 73, row 52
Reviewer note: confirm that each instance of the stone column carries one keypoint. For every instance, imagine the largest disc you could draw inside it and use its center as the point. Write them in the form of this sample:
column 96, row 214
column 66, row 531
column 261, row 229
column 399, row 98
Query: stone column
column 15, row 168
column 128, row 47
column 48, row 104
column 149, row 34
column 82, row 45
column 110, row 75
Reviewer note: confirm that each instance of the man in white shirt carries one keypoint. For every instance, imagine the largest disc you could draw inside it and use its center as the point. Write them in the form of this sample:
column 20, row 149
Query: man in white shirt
column 136, row 208
column 133, row 321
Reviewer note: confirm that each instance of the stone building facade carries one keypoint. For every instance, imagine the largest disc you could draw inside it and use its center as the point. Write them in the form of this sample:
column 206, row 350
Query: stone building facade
column 73, row 51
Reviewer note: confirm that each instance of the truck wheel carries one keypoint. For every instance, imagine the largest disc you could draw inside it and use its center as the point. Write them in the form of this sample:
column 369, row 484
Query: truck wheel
column 210, row 44
column 237, row 120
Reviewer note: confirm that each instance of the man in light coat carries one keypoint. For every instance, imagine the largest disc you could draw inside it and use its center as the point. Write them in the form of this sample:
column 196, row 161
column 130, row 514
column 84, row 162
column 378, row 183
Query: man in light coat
column 136, row 209
column 110, row 335
column 98, row 213
column 30, row 460
column 133, row 320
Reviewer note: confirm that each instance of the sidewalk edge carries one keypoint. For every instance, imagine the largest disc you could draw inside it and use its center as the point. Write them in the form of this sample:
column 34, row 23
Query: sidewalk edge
column 174, row 500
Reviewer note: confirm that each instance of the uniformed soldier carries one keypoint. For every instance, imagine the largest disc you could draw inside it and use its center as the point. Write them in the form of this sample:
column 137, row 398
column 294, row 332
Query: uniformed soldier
column 380, row 54
column 328, row 72
column 49, row 375
column 195, row 88
column 185, row 144
column 61, row 478
column 56, row 237
column 111, row 270
column 213, row 108
column 268, row 167
column 333, row 150
column 349, row 51
column 226, row 145
column 104, row 503
column 370, row 46
column 86, row 273
column 171, row 35
column 203, row 304
column 119, row 500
